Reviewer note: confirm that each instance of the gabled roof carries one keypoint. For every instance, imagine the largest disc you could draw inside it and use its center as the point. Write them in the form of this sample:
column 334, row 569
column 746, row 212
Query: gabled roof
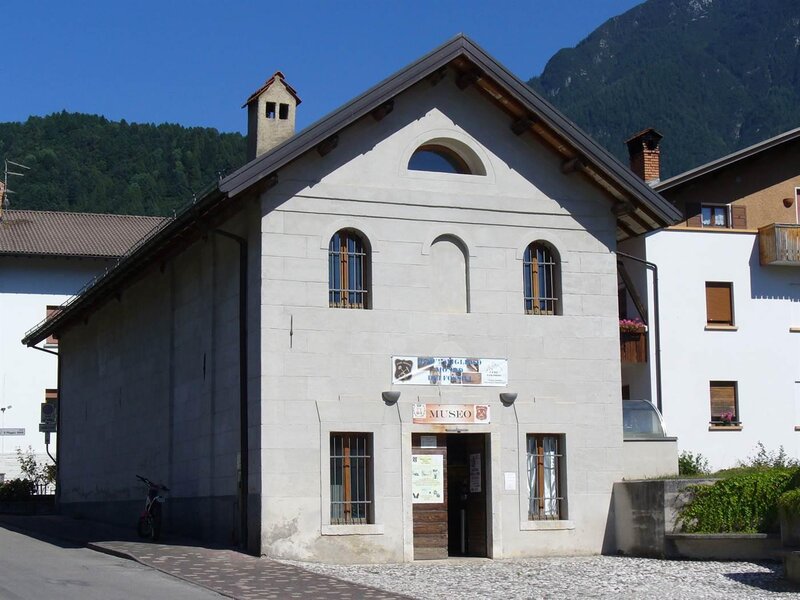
column 269, row 82
column 730, row 159
column 638, row 208
column 86, row 235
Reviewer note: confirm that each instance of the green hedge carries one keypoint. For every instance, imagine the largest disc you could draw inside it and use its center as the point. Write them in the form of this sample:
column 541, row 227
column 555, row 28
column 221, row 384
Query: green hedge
column 744, row 502
column 16, row 489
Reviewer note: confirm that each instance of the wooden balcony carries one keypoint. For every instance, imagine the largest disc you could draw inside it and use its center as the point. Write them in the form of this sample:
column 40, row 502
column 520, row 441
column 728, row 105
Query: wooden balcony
column 633, row 347
column 779, row 244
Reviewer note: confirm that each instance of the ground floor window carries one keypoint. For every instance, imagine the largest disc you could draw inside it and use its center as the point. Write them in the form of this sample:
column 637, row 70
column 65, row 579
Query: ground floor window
column 351, row 479
column 545, row 466
column 724, row 403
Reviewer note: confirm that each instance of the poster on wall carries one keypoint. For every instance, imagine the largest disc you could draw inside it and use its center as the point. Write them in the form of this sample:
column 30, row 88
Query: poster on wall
column 448, row 370
column 427, row 479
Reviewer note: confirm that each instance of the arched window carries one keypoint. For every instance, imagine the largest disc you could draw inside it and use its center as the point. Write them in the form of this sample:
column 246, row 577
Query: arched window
column 540, row 277
column 438, row 159
column 348, row 270
column 446, row 155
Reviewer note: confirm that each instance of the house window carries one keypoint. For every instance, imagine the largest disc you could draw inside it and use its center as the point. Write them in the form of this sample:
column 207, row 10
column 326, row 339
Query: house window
column 545, row 465
column 283, row 111
column 270, row 110
column 351, row 479
column 540, row 279
column 52, row 311
column 348, row 270
column 714, row 215
column 724, row 403
column 719, row 303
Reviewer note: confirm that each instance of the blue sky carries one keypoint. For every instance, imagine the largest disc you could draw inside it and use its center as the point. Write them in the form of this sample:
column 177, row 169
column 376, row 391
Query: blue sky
column 195, row 62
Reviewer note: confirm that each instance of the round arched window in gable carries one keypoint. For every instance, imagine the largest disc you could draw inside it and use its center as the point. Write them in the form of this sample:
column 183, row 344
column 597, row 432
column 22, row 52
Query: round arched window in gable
column 446, row 156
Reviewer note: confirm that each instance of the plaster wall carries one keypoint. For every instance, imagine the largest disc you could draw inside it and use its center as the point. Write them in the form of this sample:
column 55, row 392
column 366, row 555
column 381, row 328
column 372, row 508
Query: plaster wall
column 761, row 354
column 27, row 286
column 323, row 369
column 150, row 386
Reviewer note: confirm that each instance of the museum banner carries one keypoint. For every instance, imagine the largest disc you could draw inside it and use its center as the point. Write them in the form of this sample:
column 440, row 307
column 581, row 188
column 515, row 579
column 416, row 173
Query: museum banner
column 448, row 370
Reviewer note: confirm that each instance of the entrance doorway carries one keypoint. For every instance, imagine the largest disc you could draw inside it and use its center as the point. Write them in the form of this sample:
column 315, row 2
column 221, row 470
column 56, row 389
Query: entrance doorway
column 449, row 494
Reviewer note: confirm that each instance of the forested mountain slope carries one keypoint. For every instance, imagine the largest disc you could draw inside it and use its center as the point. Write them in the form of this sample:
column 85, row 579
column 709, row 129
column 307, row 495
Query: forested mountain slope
column 712, row 76
column 87, row 163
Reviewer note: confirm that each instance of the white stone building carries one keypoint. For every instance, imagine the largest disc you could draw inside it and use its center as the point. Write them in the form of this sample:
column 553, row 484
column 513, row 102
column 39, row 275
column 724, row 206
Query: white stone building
column 729, row 303
column 392, row 336
column 45, row 258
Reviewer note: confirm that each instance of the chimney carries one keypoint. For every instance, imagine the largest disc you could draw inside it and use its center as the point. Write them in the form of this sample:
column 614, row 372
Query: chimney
column 270, row 115
column 645, row 155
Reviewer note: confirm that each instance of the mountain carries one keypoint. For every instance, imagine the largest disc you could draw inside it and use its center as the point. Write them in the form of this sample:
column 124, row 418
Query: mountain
column 712, row 76
column 87, row 163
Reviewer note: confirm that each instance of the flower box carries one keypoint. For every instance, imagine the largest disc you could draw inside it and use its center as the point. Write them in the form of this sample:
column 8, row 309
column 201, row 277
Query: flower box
column 633, row 347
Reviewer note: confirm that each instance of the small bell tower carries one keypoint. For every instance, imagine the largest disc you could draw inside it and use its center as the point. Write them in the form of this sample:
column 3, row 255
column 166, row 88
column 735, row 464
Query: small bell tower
column 270, row 115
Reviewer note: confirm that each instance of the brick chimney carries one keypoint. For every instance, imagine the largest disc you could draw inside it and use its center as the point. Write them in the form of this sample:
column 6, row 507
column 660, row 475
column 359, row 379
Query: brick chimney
column 645, row 155
column 270, row 115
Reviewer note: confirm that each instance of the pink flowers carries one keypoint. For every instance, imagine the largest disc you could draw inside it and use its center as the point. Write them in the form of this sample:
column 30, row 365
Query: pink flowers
column 726, row 417
column 631, row 326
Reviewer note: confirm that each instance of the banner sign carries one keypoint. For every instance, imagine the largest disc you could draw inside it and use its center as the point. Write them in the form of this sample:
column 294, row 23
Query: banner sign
column 440, row 370
column 451, row 413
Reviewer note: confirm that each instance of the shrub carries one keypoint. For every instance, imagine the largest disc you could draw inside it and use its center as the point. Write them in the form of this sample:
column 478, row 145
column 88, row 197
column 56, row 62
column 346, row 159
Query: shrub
column 769, row 459
column 692, row 464
column 16, row 489
column 744, row 502
column 789, row 502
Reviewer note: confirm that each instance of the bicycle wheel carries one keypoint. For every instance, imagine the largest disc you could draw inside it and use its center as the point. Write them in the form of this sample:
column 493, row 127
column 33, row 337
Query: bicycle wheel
column 156, row 522
column 145, row 526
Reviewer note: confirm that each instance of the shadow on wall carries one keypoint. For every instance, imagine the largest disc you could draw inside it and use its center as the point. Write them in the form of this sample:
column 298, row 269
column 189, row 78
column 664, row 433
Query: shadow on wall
column 772, row 283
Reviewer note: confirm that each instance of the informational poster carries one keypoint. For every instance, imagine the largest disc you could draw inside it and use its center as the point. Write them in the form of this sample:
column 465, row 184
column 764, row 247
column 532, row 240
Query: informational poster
column 427, row 479
column 475, row 473
column 509, row 481
column 478, row 414
column 448, row 370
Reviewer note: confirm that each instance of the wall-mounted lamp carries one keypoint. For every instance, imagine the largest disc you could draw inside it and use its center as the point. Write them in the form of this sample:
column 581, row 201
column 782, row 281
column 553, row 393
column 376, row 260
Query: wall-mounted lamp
column 390, row 398
column 507, row 398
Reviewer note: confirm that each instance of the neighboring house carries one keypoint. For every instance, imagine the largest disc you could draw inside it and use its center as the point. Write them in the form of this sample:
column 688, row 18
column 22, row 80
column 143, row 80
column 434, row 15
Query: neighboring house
column 406, row 311
column 729, row 301
column 45, row 257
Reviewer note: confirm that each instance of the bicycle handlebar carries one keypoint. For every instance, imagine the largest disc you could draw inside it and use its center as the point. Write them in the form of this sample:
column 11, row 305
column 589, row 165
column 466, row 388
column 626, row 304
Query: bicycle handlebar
column 146, row 481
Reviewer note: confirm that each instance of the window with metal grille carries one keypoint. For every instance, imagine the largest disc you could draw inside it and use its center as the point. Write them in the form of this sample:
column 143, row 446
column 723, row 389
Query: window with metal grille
column 348, row 271
column 545, row 501
column 724, row 403
column 351, row 479
column 540, row 280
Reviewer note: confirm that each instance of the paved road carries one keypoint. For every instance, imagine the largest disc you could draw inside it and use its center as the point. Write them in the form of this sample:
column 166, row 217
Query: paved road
column 31, row 569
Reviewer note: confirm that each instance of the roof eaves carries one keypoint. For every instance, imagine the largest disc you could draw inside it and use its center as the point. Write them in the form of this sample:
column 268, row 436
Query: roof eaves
column 728, row 160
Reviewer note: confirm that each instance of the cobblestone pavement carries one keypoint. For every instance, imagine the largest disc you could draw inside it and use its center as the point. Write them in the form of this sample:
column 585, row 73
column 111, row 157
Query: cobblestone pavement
column 588, row 577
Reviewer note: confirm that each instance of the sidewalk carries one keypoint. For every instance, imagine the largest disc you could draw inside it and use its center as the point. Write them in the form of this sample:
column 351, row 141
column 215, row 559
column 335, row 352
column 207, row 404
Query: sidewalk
column 222, row 570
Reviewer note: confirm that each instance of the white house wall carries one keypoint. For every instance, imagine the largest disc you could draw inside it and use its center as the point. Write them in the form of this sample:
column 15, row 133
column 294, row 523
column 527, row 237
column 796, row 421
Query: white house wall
column 761, row 355
column 27, row 286
column 323, row 369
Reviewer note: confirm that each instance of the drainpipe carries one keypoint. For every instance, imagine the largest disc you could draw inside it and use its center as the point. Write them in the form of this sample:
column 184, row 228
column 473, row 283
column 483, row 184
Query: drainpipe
column 243, row 425
column 655, row 320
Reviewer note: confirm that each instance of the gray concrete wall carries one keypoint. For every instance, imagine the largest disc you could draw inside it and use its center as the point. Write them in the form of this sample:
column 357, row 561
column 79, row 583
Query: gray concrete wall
column 324, row 369
column 650, row 458
column 150, row 386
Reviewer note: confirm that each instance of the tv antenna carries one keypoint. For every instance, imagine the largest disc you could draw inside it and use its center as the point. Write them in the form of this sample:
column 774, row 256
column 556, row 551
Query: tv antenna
column 5, row 191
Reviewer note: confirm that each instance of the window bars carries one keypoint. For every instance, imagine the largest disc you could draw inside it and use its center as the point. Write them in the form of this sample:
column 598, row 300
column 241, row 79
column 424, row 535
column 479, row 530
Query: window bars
column 539, row 277
column 544, row 471
column 348, row 264
column 351, row 479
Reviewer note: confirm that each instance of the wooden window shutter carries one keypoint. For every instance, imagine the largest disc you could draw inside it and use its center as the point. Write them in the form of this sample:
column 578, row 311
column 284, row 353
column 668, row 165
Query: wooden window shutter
column 738, row 216
column 694, row 217
column 723, row 399
column 719, row 307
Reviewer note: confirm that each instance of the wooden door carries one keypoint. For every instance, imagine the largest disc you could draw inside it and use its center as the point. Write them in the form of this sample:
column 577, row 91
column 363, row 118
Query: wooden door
column 429, row 495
